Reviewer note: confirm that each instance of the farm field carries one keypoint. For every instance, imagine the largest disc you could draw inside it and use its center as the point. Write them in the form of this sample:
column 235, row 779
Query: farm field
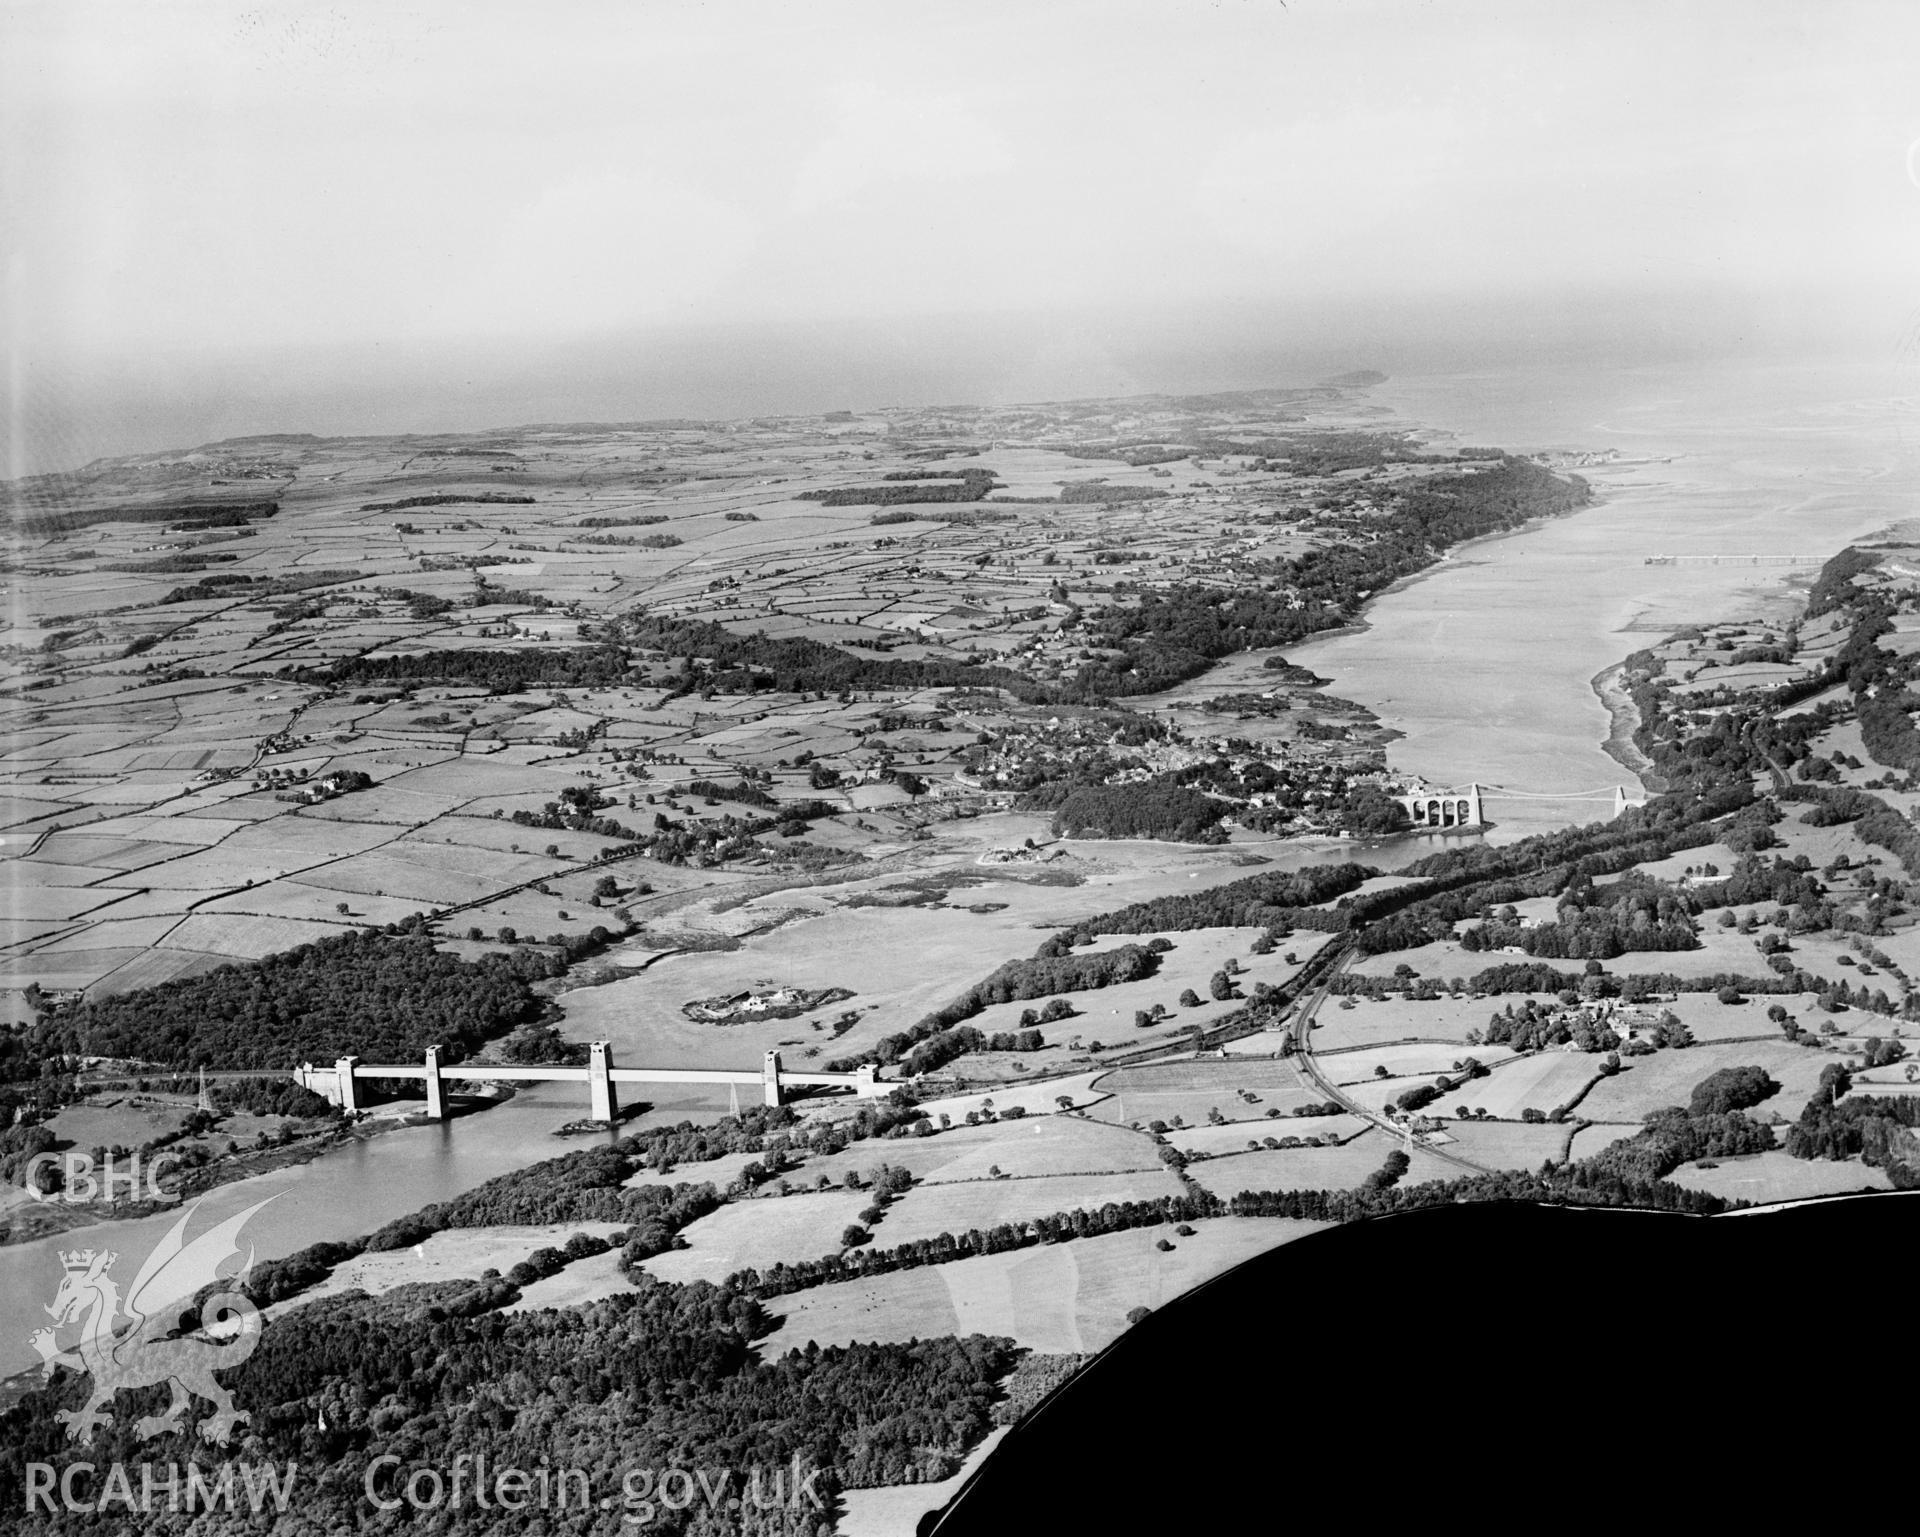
column 1032, row 1146
column 1415, row 1061
column 957, row 1207
column 456, row 1254
column 117, row 1121
column 1775, row 1176
column 1055, row 1298
column 1034, row 1098
column 1711, row 1022
column 1314, row 1168
column 1161, row 1091
column 758, row 1233
column 1369, row 1023
column 1667, row 1078
column 1233, row 1138
column 1541, row 1082
column 585, row 1280
column 1508, row 1144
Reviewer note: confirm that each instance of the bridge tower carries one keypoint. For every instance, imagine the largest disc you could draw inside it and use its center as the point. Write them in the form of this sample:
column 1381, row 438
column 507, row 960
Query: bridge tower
column 346, row 1092
column 770, row 1078
column 436, row 1095
column 1620, row 801
column 602, row 1099
column 1476, row 817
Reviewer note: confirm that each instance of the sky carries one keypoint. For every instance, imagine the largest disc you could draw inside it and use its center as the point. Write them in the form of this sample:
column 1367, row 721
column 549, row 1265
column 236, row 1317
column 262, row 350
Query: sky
column 317, row 216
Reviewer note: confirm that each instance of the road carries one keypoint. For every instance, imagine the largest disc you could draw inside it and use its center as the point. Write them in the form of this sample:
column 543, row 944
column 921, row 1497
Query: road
column 1303, row 1058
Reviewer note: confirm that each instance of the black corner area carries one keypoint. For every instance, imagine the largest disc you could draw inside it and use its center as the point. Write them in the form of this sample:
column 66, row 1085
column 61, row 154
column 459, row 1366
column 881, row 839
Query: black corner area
column 1502, row 1367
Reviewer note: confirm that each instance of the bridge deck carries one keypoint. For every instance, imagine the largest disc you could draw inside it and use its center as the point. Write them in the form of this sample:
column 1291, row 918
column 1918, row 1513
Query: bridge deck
column 498, row 1072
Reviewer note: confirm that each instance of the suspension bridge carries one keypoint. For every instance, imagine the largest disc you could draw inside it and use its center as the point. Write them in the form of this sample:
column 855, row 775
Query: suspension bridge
column 1430, row 808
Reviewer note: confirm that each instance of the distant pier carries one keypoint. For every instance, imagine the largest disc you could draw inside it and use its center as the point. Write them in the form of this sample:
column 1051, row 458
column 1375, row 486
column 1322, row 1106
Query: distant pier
column 1735, row 560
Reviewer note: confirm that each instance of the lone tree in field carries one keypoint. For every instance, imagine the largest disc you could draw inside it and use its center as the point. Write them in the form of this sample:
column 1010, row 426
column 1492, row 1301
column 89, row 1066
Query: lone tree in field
column 1189, row 999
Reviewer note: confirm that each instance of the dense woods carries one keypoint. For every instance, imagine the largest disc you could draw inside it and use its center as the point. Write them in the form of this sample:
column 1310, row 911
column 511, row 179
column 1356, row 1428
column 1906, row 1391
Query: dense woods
column 504, row 670
column 40, row 524
column 447, row 499
column 1150, row 810
column 743, row 664
column 1268, row 900
column 969, row 485
column 382, row 996
column 1877, row 1130
column 1632, row 913
column 655, row 1378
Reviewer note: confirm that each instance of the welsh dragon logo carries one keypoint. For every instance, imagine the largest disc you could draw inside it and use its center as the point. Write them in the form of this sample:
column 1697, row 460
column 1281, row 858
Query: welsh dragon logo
column 147, row 1348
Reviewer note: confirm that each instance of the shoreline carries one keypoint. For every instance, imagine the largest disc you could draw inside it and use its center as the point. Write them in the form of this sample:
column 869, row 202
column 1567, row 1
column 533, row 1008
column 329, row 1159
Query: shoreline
column 1624, row 715
column 1447, row 557
column 57, row 1216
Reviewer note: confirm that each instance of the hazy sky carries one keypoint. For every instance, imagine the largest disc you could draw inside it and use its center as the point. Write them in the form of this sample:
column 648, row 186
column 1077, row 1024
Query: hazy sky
column 192, row 187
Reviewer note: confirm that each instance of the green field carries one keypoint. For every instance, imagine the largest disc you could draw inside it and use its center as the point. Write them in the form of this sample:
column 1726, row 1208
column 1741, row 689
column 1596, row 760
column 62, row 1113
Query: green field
column 1314, row 1168
column 1060, row 1297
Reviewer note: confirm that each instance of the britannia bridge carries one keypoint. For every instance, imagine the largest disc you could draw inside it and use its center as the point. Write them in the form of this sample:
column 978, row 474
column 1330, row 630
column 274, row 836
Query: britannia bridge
column 341, row 1082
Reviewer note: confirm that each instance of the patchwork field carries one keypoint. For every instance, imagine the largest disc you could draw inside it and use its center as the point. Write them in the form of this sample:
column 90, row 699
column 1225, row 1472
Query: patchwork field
column 1059, row 1297
column 760, row 1233
column 457, row 1254
column 1033, row 1146
column 1369, row 1023
column 1667, row 1078
column 1508, row 1144
column 1234, row 1137
column 1540, row 1082
column 1191, row 1089
column 1416, row 1061
column 1774, row 1176
column 931, row 1209
column 1315, row 1168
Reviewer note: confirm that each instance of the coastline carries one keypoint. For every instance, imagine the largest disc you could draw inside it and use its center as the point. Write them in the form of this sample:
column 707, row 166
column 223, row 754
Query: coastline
column 1447, row 557
column 53, row 1217
column 1609, row 685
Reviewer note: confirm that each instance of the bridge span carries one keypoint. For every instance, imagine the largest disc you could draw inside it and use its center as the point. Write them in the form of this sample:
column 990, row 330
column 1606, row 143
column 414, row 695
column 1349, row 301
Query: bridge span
column 1428, row 808
column 341, row 1082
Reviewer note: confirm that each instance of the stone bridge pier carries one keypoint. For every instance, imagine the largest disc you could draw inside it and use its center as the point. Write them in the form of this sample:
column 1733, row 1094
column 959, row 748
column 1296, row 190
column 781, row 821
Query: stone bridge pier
column 1428, row 809
column 341, row 1082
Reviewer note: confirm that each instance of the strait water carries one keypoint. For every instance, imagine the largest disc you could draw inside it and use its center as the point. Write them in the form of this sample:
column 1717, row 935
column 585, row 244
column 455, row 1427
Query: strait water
column 1485, row 665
